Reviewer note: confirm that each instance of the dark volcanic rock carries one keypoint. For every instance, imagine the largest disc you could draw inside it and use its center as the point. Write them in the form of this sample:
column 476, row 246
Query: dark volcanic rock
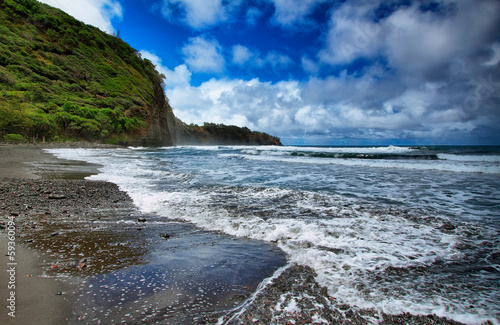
column 294, row 297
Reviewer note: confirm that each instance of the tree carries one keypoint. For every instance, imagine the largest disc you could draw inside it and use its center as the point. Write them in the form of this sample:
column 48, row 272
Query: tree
column 40, row 124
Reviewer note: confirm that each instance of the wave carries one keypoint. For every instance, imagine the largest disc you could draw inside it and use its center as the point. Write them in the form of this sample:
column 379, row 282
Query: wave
column 368, row 255
column 342, row 155
column 471, row 158
column 412, row 164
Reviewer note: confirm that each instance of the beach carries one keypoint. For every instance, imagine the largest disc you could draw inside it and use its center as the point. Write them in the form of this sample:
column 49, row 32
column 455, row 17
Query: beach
column 86, row 254
column 70, row 232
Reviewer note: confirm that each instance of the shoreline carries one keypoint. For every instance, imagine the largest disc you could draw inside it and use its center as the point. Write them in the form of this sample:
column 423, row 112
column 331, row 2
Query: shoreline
column 89, row 234
column 71, row 219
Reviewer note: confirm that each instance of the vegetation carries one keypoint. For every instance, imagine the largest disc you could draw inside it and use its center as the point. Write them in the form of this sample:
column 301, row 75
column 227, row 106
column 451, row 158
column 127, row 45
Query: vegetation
column 14, row 138
column 61, row 79
column 211, row 133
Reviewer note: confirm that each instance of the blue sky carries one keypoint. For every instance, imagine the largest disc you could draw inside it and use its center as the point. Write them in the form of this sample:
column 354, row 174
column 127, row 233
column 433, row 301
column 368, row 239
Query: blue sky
column 320, row 72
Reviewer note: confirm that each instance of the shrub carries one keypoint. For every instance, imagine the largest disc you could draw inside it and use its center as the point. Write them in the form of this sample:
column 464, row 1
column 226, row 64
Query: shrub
column 7, row 78
column 14, row 138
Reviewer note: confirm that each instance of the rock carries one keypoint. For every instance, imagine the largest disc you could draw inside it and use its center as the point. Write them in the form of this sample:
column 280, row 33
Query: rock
column 165, row 236
column 54, row 234
column 141, row 219
column 14, row 214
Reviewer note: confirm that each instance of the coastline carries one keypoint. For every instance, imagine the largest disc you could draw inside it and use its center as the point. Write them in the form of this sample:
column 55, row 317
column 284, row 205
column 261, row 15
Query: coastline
column 48, row 300
column 58, row 211
column 74, row 237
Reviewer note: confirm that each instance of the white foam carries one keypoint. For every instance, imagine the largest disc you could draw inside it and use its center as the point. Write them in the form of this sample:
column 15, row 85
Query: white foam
column 474, row 158
column 385, row 163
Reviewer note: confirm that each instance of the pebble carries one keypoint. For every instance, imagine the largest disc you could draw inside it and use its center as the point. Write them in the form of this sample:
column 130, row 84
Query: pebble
column 56, row 197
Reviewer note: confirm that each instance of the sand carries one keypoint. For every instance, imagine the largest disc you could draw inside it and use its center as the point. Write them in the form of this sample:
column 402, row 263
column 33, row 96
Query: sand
column 38, row 298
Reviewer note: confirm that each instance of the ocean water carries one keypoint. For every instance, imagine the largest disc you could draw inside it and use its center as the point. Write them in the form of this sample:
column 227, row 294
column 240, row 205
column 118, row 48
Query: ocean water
column 396, row 229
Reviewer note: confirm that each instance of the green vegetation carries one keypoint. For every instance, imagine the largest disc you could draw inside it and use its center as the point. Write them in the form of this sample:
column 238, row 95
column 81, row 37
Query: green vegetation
column 63, row 80
column 211, row 133
column 14, row 138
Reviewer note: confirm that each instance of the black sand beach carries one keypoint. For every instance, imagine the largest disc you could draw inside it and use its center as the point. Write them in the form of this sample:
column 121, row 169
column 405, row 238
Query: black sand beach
column 86, row 255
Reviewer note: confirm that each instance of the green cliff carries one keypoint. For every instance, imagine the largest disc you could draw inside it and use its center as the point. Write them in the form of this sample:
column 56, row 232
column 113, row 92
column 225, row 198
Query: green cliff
column 211, row 133
column 63, row 80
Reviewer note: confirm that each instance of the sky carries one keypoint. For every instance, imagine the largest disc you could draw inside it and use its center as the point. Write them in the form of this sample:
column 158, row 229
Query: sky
column 321, row 72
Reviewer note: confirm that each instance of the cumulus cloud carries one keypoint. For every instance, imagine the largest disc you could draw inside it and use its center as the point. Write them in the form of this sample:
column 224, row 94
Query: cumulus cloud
column 202, row 14
column 411, row 39
column 335, row 107
column 243, row 56
column 202, row 55
column 196, row 13
column 98, row 13
column 290, row 13
column 180, row 76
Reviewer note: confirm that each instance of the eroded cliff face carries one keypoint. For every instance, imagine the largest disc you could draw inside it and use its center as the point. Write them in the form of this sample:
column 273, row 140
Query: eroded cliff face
column 161, row 121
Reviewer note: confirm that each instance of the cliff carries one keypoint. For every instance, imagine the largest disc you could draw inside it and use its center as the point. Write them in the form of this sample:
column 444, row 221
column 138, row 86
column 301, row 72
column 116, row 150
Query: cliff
column 211, row 134
column 63, row 80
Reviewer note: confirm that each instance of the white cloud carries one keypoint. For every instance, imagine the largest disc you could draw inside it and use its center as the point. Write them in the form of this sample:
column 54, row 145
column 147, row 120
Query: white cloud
column 252, row 16
column 294, row 12
column 309, row 66
column 242, row 54
column 410, row 39
column 203, row 55
column 196, row 13
column 278, row 60
column 98, row 13
column 201, row 14
column 352, row 34
column 180, row 76
column 343, row 106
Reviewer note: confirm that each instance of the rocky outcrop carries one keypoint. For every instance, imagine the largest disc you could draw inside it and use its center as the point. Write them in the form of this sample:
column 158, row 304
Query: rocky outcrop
column 161, row 129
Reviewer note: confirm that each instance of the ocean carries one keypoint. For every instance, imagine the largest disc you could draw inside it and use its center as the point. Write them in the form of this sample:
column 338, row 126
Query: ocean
column 396, row 229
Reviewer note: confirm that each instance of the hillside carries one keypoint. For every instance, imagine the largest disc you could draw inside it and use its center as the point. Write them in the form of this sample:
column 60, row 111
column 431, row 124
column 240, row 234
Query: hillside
column 63, row 80
column 211, row 133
